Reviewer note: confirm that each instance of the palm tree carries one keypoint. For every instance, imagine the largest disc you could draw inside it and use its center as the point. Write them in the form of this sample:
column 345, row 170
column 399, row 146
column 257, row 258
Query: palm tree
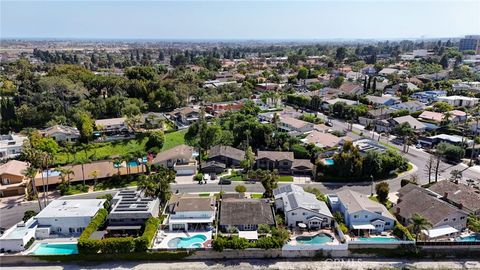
column 31, row 172
column 95, row 174
column 45, row 162
column 419, row 223
column 446, row 118
column 157, row 185
column 117, row 162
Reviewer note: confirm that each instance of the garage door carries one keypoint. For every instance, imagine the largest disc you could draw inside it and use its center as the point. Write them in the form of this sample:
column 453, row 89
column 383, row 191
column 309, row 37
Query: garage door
column 185, row 171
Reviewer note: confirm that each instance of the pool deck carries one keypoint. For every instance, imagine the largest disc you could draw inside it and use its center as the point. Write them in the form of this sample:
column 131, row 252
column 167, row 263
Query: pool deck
column 297, row 233
column 163, row 237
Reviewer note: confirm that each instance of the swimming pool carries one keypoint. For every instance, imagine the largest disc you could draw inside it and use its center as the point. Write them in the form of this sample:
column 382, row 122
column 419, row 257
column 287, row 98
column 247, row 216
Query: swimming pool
column 50, row 173
column 328, row 161
column 376, row 239
column 320, row 238
column 55, row 249
column 470, row 238
column 132, row 164
column 195, row 241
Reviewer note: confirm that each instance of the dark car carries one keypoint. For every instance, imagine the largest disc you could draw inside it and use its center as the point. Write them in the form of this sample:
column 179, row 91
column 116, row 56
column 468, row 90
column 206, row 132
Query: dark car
column 225, row 182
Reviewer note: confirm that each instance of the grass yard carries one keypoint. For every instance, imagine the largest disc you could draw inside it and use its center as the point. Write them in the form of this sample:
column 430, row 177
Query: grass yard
column 101, row 151
column 256, row 195
column 206, row 194
column 374, row 198
column 285, row 178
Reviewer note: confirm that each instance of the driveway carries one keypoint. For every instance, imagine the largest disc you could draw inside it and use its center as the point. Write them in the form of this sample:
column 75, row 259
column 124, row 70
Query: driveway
column 184, row 179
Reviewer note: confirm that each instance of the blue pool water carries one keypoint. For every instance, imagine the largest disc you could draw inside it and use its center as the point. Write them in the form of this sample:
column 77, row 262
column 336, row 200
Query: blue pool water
column 50, row 173
column 377, row 239
column 470, row 238
column 320, row 238
column 195, row 241
column 55, row 249
column 132, row 164
column 328, row 161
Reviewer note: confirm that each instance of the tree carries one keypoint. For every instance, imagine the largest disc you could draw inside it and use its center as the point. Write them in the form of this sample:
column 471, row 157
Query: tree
column 444, row 61
column 249, row 160
column 419, row 223
column 31, row 172
column 382, row 189
column 28, row 215
column 456, row 175
column 48, row 145
column 269, row 181
column 442, row 106
column 155, row 141
column 157, row 185
column 302, row 73
column 405, row 131
column 337, row 82
column 451, row 152
column 94, row 174
column 85, row 127
column 430, row 167
column 340, row 54
column 241, row 189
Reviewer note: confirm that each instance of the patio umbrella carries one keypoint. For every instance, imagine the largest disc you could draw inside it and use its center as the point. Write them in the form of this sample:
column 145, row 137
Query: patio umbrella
column 302, row 225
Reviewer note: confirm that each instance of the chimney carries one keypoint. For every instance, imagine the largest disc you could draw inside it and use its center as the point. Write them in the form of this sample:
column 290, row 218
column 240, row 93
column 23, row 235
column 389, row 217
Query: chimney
column 460, row 206
column 445, row 194
column 397, row 210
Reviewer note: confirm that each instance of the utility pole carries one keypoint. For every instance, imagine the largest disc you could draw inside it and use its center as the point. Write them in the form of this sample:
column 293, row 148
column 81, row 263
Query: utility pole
column 371, row 187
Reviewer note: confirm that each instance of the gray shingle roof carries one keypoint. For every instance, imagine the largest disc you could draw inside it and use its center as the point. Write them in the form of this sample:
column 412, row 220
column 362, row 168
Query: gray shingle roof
column 227, row 151
column 275, row 155
column 355, row 202
column 246, row 211
column 294, row 197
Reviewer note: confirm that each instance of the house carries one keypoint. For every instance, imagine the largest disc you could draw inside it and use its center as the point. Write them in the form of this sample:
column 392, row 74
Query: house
column 180, row 159
column 245, row 214
column 388, row 71
column 360, row 212
column 302, row 167
column 327, row 103
column 227, row 155
column 458, row 116
column 384, row 100
column 13, row 179
column 184, row 117
column 295, row 126
column 355, row 76
column 459, row 101
column 67, row 217
column 130, row 210
column 61, row 133
column 382, row 113
column 365, row 145
column 222, row 107
column 410, row 106
column 451, row 139
column 428, row 96
column 153, row 120
column 431, row 116
column 190, row 213
column 270, row 160
column 443, row 216
column 414, row 123
column 18, row 236
column 300, row 206
column 322, row 140
column 352, row 89
column 112, row 126
column 459, row 195
column 11, row 145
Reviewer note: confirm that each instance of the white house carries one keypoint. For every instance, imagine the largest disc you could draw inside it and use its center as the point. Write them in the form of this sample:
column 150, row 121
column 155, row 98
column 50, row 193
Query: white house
column 17, row 237
column 61, row 133
column 67, row 217
column 112, row 125
column 410, row 106
column 300, row 206
column 297, row 126
column 361, row 213
column 190, row 213
column 11, row 145
column 459, row 101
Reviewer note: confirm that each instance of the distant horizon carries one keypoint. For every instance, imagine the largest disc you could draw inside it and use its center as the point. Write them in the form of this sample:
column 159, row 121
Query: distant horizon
column 323, row 20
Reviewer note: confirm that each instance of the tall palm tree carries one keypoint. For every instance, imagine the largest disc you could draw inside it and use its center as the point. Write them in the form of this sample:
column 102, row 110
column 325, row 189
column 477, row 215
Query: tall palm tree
column 419, row 223
column 446, row 118
column 45, row 161
column 157, row 185
column 31, row 172
column 95, row 174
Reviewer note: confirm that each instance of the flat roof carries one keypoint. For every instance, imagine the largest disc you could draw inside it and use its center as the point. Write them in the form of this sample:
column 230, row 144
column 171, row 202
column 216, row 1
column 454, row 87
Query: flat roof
column 440, row 231
column 249, row 235
column 71, row 208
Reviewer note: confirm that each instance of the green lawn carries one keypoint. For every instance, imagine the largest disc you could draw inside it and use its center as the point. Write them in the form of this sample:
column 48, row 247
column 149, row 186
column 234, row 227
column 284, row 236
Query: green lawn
column 206, row 194
column 285, row 178
column 100, row 151
column 256, row 195
column 374, row 198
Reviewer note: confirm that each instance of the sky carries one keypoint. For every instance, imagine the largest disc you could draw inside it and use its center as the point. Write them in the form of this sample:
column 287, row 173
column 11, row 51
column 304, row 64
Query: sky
column 263, row 20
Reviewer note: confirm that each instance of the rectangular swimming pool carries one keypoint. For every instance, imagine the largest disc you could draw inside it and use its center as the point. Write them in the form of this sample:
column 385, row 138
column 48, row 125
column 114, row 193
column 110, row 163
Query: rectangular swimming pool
column 55, row 249
column 376, row 239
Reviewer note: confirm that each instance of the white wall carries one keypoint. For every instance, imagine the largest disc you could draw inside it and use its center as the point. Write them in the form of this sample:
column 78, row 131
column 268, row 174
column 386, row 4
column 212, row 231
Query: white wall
column 62, row 225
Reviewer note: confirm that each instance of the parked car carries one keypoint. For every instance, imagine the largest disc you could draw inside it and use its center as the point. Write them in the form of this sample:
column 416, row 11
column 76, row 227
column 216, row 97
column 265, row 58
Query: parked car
column 225, row 182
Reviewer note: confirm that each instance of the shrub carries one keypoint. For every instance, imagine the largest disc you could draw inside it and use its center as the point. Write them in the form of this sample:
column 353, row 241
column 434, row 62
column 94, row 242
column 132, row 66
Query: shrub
column 85, row 244
column 28, row 215
column 29, row 243
column 343, row 228
column 401, row 232
column 198, row 177
column 117, row 245
column 155, row 140
column 263, row 228
column 240, row 189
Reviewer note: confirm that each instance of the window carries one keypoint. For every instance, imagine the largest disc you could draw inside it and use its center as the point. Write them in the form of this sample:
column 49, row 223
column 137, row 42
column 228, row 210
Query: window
column 454, row 219
column 285, row 163
column 304, row 214
column 445, row 219
column 387, row 223
column 71, row 230
column 366, row 216
column 462, row 218
column 293, row 214
column 355, row 216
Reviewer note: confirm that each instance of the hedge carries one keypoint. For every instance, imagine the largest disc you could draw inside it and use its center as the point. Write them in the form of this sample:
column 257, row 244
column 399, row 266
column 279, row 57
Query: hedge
column 143, row 242
column 115, row 245
column 278, row 238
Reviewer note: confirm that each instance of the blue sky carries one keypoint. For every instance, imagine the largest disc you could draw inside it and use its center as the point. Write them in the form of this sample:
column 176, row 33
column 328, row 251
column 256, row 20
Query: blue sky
column 239, row 20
